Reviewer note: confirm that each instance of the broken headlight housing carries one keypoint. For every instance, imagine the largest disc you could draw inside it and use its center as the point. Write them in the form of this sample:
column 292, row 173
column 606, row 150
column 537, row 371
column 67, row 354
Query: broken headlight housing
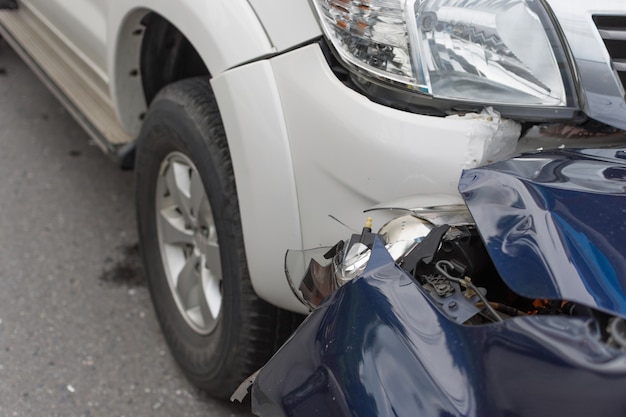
column 496, row 52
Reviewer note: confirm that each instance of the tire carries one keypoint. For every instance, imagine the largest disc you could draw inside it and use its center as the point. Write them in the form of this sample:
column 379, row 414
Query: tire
column 191, row 242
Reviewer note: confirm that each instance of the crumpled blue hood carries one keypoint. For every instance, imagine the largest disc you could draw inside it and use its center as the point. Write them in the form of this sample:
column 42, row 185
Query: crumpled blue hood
column 554, row 224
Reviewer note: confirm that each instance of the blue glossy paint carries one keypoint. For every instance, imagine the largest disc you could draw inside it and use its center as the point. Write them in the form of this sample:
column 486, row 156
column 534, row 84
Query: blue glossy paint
column 379, row 347
column 554, row 224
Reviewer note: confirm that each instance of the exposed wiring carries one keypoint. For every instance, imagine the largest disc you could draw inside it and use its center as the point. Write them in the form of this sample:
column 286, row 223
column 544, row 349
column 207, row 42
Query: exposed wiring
column 444, row 266
column 503, row 308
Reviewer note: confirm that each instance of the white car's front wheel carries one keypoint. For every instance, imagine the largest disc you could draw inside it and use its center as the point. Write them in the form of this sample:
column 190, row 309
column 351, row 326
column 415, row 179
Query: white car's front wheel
column 191, row 240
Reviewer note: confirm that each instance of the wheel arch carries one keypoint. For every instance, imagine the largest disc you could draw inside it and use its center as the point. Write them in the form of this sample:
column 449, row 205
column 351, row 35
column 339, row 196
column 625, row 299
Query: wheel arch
column 222, row 34
column 262, row 118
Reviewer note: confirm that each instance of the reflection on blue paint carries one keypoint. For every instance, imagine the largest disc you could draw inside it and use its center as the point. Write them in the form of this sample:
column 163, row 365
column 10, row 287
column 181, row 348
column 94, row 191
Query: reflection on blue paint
column 567, row 238
column 379, row 347
column 555, row 225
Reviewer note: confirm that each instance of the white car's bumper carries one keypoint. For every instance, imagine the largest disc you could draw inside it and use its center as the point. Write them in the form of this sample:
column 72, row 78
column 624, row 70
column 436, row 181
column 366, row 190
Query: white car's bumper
column 307, row 149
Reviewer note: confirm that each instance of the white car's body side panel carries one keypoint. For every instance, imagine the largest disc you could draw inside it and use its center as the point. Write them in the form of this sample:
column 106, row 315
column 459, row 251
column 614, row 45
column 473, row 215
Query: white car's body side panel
column 106, row 37
column 288, row 23
column 336, row 151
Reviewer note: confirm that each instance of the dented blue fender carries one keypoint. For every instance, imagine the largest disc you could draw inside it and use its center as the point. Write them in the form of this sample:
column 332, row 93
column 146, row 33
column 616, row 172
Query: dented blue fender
column 379, row 346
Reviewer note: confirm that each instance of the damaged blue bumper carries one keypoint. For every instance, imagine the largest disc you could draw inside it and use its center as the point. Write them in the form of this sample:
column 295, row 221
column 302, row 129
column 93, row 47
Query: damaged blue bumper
column 381, row 346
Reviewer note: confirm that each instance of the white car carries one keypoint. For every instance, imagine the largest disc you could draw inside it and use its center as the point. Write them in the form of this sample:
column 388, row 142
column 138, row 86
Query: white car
column 258, row 126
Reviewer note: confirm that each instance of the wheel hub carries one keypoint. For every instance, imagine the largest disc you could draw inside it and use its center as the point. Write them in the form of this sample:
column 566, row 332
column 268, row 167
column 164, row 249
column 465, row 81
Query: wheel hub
column 188, row 243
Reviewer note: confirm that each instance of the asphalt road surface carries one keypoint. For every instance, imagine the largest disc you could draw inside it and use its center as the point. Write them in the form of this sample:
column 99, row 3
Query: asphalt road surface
column 78, row 336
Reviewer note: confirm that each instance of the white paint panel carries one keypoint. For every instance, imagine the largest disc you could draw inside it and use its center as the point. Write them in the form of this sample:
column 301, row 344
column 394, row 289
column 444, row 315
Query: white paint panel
column 288, row 23
column 260, row 151
column 225, row 34
column 350, row 154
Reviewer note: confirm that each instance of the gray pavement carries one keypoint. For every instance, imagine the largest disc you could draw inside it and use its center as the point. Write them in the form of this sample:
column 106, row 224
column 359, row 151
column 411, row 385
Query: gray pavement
column 78, row 336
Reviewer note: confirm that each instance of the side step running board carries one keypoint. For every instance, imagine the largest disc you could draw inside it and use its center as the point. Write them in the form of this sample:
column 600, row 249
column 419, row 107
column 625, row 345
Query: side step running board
column 84, row 95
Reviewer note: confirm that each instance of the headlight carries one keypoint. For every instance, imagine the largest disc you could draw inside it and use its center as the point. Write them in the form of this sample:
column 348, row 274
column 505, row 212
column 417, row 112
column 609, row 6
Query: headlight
column 491, row 51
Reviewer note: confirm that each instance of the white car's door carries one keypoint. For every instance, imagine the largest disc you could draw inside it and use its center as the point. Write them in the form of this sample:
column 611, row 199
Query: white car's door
column 80, row 25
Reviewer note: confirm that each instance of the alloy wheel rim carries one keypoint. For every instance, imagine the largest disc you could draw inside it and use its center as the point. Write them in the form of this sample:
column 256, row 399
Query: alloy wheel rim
column 188, row 243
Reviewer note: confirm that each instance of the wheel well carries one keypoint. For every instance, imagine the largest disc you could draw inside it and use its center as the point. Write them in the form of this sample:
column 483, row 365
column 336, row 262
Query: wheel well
column 166, row 56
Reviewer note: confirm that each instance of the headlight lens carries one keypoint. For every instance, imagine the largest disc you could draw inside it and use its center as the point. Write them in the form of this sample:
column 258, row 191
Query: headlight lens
column 492, row 51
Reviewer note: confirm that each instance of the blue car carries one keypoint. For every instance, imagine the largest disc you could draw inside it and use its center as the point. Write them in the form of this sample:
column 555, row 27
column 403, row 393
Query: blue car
column 520, row 312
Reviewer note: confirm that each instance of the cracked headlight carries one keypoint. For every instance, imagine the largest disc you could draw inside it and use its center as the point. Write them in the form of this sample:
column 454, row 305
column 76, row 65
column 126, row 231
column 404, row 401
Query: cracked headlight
column 491, row 51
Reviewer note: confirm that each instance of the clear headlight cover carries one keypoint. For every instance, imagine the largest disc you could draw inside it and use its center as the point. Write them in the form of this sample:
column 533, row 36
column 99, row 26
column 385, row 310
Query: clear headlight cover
column 491, row 51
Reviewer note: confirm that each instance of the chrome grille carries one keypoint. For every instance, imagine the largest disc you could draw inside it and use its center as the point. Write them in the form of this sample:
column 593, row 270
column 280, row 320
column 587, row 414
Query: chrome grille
column 613, row 32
